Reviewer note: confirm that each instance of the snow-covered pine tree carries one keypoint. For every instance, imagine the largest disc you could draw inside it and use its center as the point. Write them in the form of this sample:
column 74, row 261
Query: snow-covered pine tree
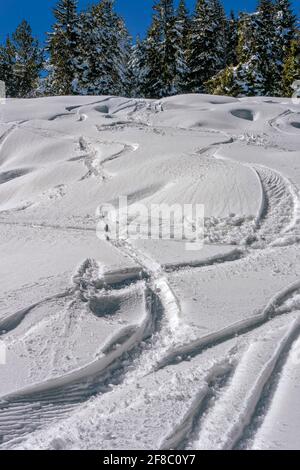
column 116, row 47
column 153, row 81
column 227, row 82
column 254, row 74
column 63, row 44
column 167, row 48
column 160, row 51
column 249, row 74
column 7, row 62
column 285, row 31
column 21, row 62
column 28, row 61
column 197, row 48
column 102, row 61
column 123, row 57
column 285, row 23
column 265, row 44
column 207, row 43
column 291, row 67
column 219, row 32
column 92, row 72
column 181, row 29
column 232, row 40
column 138, row 69
column 245, row 78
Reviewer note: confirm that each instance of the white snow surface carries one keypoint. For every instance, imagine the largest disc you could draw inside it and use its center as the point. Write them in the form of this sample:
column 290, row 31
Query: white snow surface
column 143, row 344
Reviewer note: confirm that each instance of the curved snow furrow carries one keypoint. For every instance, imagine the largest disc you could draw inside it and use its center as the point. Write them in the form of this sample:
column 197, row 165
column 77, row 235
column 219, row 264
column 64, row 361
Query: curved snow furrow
column 94, row 368
column 128, row 148
column 227, row 230
column 172, row 310
column 138, row 125
column 167, row 308
column 94, row 164
column 120, row 125
column 7, row 133
column 91, row 161
column 227, row 421
column 125, row 105
column 140, row 333
column 265, row 400
column 60, row 116
column 274, row 308
column 213, row 383
column 62, row 395
column 274, row 123
column 233, row 255
column 169, row 339
column 212, row 146
column 12, row 321
column 47, row 226
column 279, row 213
column 71, row 108
column 149, row 265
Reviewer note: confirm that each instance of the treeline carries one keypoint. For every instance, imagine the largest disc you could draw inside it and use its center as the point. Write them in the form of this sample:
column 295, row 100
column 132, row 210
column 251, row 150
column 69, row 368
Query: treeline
column 91, row 52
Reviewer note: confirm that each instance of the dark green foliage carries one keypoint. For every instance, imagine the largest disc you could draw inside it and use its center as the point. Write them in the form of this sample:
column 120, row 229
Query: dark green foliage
column 92, row 53
column 63, row 48
column 291, row 68
column 21, row 62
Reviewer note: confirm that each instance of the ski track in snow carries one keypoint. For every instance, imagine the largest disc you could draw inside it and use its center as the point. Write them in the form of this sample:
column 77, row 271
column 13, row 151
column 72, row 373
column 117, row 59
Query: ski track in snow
column 95, row 164
column 245, row 407
column 163, row 339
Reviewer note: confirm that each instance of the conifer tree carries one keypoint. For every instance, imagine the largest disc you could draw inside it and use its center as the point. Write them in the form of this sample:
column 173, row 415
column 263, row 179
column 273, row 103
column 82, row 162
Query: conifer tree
column 207, row 43
column 63, row 43
column 138, row 69
column 7, row 62
column 181, row 29
column 160, row 51
column 92, row 53
column 285, row 31
column 232, row 40
column 285, row 24
column 246, row 78
column 103, row 54
column 219, row 32
column 251, row 69
column 21, row 62
column 291, row 67
column 28, row 61
column 153, row 61
column 162, row 56
column 256, row 56
column 115, row 47
column 167, row 48
column 265, row 44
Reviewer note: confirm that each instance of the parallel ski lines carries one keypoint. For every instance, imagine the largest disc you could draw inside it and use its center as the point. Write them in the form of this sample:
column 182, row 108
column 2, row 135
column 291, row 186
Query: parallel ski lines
column 190, row 350
column 228, row 419
column 280, row 210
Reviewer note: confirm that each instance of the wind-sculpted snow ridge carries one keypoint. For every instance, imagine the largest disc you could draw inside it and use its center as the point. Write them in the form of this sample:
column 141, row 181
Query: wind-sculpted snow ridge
column 146, row 344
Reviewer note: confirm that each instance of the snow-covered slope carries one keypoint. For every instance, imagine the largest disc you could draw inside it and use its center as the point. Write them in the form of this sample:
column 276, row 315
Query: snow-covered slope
column 126, row 344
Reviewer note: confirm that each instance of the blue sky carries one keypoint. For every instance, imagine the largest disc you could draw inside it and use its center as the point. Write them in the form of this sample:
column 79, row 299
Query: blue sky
column 137, row 13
